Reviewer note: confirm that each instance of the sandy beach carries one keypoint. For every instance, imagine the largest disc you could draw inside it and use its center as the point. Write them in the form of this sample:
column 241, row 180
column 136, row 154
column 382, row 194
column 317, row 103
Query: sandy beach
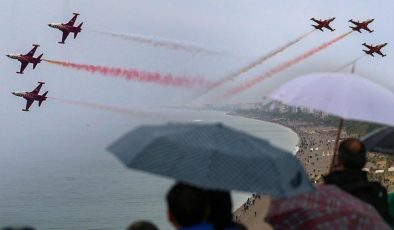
column 315, row 151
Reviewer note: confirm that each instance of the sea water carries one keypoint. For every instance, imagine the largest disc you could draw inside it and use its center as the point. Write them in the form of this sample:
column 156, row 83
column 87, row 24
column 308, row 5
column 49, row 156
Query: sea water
column 82, row 186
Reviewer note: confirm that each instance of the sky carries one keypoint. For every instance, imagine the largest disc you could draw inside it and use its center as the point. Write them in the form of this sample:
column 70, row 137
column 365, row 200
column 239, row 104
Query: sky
column 243, row 30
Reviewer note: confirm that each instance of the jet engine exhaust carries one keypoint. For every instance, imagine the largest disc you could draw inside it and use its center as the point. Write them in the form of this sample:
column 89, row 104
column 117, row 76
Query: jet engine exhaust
column 119, row 110
column 257, row 62
column 136, row 75
column 281, row 67
column 161, row 42
column 264, row 58
column 350, row 63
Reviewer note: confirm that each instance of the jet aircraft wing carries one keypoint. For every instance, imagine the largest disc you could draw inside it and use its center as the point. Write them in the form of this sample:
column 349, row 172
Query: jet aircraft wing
column 72, row 21
column 32, row 51
column 23, row 66
column 37, row 89
column 64, row 36
column 29, row 102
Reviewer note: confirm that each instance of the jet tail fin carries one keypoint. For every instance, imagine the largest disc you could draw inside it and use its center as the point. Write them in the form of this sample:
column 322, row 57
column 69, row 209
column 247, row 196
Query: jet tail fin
column 44, row 95
column 39, row 59
column 76, row 33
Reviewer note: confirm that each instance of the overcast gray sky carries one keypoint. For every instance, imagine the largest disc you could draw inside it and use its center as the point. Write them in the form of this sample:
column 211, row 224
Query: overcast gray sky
column 246, row 29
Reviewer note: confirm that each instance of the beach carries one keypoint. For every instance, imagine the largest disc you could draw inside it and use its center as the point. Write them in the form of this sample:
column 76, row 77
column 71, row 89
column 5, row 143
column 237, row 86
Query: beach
column 314, row 151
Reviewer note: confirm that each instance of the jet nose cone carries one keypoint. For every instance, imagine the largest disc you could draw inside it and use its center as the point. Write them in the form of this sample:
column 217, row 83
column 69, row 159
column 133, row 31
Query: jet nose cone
column 8, row 55
column 13, row 93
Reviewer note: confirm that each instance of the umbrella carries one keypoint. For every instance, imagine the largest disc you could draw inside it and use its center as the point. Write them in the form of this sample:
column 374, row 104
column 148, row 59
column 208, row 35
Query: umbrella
column 212, row 156
column 328, row 207
column 381, row 140
column 346, row 95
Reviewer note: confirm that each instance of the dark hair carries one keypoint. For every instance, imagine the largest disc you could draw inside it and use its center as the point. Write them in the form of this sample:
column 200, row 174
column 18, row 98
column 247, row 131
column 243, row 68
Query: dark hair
column 352, row 153
column 142, row 225
column 220, row 209
column 187, row 204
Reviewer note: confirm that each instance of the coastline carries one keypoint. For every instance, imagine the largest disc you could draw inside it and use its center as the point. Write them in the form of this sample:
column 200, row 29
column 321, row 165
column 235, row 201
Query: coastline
column 313, row 150
column 296, row 148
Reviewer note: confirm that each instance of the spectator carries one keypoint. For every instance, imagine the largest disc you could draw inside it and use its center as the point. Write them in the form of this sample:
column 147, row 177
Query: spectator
column 142, row 225
column 187, row 207
column 349, row 176
column 220, row 211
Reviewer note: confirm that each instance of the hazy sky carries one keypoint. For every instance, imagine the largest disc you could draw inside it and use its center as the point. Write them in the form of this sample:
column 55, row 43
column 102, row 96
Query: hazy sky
column 245, row 29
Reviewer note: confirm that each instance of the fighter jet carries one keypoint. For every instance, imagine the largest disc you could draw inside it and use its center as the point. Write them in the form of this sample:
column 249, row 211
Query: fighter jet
column 361, row 25
column 374, row 49
column 32, row 96
column 27, row 58
column 68, row 28
column 323, row 24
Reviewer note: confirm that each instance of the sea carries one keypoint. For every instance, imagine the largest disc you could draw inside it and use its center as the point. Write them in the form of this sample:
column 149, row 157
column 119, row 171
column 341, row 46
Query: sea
column 95, row 191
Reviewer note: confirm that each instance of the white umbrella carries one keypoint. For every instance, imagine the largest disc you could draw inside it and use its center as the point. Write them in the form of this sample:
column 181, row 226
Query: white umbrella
column 346, row 95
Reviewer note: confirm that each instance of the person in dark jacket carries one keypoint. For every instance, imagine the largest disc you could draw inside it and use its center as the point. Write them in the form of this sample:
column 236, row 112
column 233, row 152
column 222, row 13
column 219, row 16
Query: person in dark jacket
column 142, row 225
column 220, row 213
column 187, row 207
column 349, row 177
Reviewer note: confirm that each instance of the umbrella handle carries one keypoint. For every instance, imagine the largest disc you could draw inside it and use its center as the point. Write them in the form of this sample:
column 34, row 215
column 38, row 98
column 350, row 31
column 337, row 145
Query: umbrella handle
column 334, row 156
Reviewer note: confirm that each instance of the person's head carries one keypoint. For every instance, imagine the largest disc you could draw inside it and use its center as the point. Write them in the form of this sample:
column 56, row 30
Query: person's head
column 187, row 205
column 142, row 225
column 220, row 209
column 352, row 154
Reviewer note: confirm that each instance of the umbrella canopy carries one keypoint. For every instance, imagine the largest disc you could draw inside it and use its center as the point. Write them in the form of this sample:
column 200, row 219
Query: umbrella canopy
column 326, row 208
column 212, row 156
column 381, row 140
column 346, row 95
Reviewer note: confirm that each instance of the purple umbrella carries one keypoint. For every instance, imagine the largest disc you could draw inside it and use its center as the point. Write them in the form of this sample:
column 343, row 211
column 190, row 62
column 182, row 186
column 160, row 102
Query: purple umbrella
column 345, row 95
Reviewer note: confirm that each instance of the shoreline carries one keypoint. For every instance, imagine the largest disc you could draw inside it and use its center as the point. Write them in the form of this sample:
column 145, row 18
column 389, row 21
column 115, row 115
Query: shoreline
column 296, row 147
column 313, row 139
column 313, row 150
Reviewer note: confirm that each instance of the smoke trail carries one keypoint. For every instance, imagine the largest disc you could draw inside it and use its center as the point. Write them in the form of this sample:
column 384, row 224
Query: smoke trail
column 120, row 110
column 264, row 58
column 259, row 61
column 161, row 42
column 282, row 67
column 136, row 75
column 350, row 63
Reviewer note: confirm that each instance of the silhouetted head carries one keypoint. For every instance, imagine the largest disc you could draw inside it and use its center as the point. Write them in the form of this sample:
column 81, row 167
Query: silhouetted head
column 352, row 154
column 220, row 213
column 187, row 205
column 142, row 225
column 18, row 228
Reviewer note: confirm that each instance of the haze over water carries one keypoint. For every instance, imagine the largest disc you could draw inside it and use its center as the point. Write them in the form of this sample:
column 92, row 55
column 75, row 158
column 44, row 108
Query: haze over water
column 89, row 189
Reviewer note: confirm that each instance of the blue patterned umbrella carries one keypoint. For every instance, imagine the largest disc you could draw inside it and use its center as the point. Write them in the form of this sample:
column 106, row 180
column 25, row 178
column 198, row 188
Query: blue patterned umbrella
column 212, row 156
column 381, row 140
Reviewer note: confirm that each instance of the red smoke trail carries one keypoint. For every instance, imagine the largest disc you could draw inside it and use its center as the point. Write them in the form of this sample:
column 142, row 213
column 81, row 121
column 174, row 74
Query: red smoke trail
column 259, row 61
column 264, row 58
column 136, row 75
column 282, row 67
column 125, row 111
column 161, row 42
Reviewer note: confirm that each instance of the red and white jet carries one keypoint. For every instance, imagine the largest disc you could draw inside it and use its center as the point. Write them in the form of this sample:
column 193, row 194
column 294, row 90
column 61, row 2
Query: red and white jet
column 361, row 25
column 323, row 24
column 374, row 49
column 25, row 59
column 32, row 96
column 68, row 27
